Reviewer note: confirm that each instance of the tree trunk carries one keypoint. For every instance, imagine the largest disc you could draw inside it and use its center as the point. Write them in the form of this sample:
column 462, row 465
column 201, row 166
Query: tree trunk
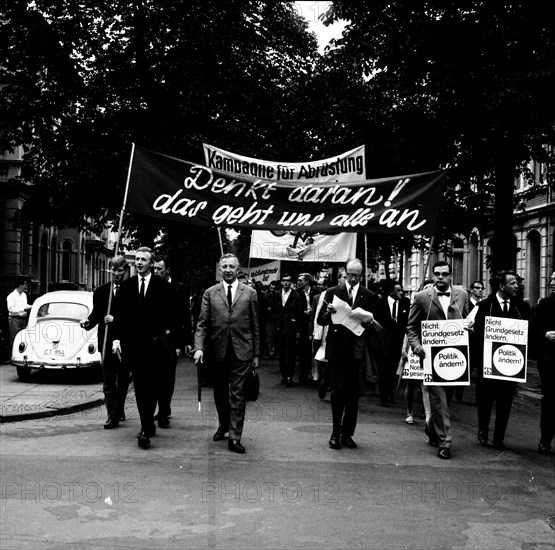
column 503, row 243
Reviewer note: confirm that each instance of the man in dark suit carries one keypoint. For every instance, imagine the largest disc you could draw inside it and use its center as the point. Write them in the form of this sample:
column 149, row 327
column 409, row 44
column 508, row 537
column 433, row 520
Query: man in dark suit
column 544, row 337
column 475, row 295
column 115, row 373
column 439, row 302
column 166, row 387
column 146, row 333
column 286, row 313
column 228, row 331
column 501, row 303
column 304, row 342
column 398, row 307
column 346, row 352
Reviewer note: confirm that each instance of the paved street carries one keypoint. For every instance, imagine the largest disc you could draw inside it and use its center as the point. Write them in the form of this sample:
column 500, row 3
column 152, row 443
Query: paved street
column 67, row 483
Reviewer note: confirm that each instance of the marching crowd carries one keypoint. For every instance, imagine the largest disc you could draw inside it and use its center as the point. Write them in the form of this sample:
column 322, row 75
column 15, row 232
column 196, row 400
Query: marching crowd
column 146, row 321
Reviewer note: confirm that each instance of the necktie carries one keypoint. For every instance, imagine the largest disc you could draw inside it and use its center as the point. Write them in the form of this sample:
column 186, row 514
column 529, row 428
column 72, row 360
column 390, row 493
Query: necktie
column 444, row 294
column 116, row 288
column 350, row 295
column 505, row 307
column 229, row 295
column 395, row 309
column 142, row 291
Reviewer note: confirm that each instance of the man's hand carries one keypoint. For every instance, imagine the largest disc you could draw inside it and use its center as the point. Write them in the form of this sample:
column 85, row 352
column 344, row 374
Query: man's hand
column 187, row 350
column 116, row 346
column 550, row 335
column 108, row 319
column 199, row 356
column 254, row 362
column 331, row 309
column 419, row 350
column 84, row 324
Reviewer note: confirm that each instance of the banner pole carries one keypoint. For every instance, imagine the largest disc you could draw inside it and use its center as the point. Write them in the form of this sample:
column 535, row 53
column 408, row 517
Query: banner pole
column 366, row 257
column 221, row 243
column 429, row 257
column 116, row 249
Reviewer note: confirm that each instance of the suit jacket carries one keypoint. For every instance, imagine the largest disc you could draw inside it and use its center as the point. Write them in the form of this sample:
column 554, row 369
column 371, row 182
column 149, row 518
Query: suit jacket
column 490, row 307
column 544, row 321
column 287, row 318
column 398, row 327
column 218, row 323
column 139, row 324
column 340, row 341
column 183, row 313
column 101, row 296
column 426, row 307
column 304, row 326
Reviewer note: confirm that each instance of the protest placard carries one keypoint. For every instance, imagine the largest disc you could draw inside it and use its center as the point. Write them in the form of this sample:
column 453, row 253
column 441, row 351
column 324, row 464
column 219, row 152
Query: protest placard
column 505, row 349
column 413, row 368
column 447, row 358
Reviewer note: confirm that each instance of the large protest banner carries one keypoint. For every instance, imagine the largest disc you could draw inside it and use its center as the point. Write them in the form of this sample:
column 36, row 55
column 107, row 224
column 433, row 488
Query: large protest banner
column 346, row 167
column 505, row 349
column 172, row 189
column 296, row 246
column 303, row 247
column 447, row 359
column 266, row 273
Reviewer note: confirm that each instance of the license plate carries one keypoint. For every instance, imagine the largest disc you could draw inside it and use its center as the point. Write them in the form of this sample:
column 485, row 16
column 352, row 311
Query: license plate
column 55, row 350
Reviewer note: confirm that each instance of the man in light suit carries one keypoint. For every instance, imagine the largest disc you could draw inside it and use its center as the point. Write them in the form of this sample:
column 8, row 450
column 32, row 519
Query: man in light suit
column 346, row 352
column 439, row 302
column 503, row 302
column 228, row 331
column 146, row 333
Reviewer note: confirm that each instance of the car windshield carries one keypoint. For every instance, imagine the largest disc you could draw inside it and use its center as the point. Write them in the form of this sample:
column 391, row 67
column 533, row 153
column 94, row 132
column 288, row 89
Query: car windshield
column 62, row 310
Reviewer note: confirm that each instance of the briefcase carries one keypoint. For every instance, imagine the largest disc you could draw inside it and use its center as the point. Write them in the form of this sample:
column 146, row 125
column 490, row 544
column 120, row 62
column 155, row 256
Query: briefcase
column 252, row 385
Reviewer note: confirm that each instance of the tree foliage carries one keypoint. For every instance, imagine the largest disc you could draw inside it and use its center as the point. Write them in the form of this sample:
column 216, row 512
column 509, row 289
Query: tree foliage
column 465, row 85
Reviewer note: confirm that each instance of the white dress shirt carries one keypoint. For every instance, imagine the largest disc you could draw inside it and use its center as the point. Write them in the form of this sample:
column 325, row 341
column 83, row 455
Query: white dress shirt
column 17, row 304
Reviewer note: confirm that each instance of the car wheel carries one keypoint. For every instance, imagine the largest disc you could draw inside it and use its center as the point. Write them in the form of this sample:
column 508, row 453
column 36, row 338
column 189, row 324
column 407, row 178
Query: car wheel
column 24, row 373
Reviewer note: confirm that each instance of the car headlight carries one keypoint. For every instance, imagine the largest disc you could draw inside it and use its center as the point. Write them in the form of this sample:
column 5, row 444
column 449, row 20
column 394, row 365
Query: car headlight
column 92, row 348
column 22, row 346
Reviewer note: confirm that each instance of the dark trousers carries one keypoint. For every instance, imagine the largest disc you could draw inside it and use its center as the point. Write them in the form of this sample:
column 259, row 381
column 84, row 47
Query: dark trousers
column 304, row 350
column 287, row 349
column 230, row 376
column 115, row 383
column 145, row 382
column 345, row 390
column 501, row 393
column 547, row 402
column 166, row 383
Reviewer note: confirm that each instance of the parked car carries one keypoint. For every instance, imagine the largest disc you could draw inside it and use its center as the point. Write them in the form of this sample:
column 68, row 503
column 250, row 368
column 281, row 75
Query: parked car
column 53, row 338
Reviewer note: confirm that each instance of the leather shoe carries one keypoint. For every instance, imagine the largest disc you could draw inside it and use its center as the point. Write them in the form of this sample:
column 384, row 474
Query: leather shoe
column 235, row 446
column 163, row 422
column 347, row 441
column 143, row 441
column 150, row 432
column 499, row 446
column 220, row 434
column 111, row 423
column 444, row 453
column 544, row 449
column 335, row 441
column 322, row 389
column 483, row 438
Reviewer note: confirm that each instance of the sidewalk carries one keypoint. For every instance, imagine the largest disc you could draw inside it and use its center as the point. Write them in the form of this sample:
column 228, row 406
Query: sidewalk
column 57, row 393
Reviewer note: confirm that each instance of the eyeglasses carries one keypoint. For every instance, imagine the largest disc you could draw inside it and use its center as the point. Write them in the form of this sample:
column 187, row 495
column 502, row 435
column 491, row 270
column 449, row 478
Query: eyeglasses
column 442, row 273
column 478, row 288
column 354, row 274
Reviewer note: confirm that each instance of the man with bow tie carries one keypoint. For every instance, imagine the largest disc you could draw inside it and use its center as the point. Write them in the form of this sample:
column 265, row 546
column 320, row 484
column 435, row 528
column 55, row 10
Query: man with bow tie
column 440, row 302
column 115, row 374
column 347, row 353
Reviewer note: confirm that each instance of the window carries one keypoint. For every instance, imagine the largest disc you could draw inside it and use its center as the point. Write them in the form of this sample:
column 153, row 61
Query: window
column 67, row 257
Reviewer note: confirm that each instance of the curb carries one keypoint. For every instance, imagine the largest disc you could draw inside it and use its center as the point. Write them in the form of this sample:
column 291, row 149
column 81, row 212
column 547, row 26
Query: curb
column 54, row 412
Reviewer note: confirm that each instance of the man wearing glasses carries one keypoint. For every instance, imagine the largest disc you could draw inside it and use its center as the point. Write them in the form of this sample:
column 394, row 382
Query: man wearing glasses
column 439, row 302
column 346, row 353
